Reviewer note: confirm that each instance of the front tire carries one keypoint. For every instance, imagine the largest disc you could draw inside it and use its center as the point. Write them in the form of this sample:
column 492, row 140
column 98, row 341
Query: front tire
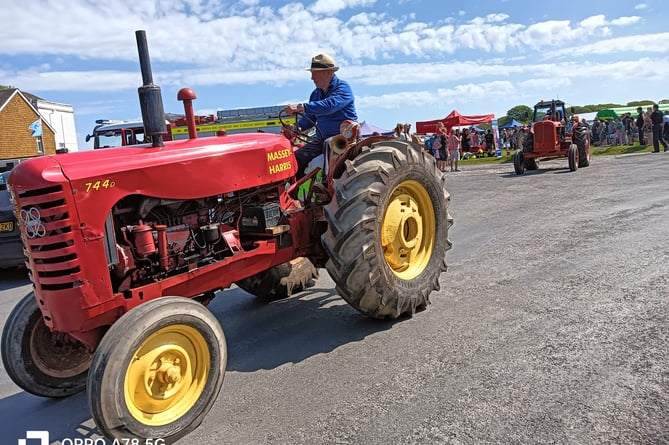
column 518, row 162
column 573, row 157
column 387, row 230
column 43, row 363
column 157, row 371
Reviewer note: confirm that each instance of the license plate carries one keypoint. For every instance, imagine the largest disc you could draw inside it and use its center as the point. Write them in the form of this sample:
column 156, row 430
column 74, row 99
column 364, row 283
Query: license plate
column 7, row 226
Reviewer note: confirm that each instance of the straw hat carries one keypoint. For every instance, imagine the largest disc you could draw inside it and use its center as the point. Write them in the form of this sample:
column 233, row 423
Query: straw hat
column 322, row 62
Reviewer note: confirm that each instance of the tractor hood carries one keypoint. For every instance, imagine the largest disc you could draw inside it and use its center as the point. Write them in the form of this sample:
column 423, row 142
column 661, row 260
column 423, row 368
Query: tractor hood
column 182, row 169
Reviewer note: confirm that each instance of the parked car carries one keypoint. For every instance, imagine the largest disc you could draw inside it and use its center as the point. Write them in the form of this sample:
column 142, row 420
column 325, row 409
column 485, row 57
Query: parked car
column 11, row 249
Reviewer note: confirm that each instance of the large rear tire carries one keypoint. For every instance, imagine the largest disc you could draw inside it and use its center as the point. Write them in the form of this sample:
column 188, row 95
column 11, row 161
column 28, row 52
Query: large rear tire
column 387, row 233
column 44, row 363
column 582, row 140
column 157, row 371
column 281, row 281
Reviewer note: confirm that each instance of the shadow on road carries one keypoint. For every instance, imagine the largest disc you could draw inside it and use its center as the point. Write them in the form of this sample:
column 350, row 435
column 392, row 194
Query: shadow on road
column 14, row 277
column 540, row 171
column 265, row 336
column 66, row 418
column 259, row 336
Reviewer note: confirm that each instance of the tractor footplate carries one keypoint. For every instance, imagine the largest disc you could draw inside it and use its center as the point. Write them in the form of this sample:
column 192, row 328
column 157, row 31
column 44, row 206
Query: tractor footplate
column 302, row 273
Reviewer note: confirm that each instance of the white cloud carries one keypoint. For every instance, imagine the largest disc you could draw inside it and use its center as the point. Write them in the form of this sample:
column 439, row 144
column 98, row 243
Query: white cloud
column 391, row 59
column 334, row 6
column 494, row 18
column 625, row 21
column 548, row 33
column 592, row 23
column 617, row 45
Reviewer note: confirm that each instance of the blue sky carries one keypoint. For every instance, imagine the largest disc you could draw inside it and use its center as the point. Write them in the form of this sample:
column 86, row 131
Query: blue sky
column 407, row 60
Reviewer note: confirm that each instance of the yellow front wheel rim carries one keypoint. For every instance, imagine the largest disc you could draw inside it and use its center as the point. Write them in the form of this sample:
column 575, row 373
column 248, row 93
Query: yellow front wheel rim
column 166, row 375
column 408, row 231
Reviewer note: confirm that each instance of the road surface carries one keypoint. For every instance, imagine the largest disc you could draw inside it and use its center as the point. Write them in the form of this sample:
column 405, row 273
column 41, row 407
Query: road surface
column 551, row 326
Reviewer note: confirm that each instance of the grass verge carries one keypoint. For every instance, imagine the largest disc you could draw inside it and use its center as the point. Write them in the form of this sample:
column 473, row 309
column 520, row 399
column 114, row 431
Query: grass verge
column 609, row 150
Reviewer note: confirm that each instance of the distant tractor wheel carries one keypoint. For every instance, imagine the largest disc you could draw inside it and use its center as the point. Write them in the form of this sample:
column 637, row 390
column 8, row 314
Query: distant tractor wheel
column 582, row 141
column 387, row 233
column 281, row 281
column 44, row 363
column 157, row 371
column 527, row 143
column 573, row 157
column 531, row 164
column 518, row 162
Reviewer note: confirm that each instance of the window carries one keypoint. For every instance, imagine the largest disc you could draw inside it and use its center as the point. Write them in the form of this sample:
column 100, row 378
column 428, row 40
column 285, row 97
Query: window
column 40, row 145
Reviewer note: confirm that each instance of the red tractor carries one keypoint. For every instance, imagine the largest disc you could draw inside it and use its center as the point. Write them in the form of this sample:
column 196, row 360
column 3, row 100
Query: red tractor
column 126, row 246
column 550, row 136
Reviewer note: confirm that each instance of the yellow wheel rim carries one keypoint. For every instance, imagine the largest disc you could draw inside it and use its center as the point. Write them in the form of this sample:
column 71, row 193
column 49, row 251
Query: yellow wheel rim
column 166, row 375
column 408, row 231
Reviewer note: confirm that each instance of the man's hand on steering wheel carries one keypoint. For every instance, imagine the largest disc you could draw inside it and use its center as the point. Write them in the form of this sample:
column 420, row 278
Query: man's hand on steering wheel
column 292, row 131
column 293, row 109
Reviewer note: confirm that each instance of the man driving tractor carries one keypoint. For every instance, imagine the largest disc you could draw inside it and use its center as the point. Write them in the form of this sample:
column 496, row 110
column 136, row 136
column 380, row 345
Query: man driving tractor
column 330, row 103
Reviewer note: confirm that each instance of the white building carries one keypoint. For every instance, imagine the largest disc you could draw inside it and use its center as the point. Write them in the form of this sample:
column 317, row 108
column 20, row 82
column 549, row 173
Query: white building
column 60, row 117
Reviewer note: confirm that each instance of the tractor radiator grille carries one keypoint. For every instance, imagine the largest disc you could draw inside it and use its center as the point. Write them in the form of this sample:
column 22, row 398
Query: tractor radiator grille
column 544, row 135
column 48, row 236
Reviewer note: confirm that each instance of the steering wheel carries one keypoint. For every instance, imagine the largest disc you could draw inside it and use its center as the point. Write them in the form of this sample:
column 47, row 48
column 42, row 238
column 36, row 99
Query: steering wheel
column 294, row 133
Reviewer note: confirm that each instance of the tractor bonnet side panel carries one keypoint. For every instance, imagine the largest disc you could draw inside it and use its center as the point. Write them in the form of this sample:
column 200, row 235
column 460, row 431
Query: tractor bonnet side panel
column 185, row 169
column 63, row 203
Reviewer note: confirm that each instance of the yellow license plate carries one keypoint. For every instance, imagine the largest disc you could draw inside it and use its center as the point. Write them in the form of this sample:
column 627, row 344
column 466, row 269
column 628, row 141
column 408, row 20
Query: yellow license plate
column 7, row 226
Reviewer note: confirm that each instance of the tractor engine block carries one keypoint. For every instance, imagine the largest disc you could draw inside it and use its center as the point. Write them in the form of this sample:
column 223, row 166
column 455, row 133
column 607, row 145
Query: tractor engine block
column 155, row 238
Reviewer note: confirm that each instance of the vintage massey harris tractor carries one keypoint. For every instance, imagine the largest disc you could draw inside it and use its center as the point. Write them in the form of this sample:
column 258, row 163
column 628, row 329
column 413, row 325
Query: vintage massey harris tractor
column 126, row 246
column 550, row 137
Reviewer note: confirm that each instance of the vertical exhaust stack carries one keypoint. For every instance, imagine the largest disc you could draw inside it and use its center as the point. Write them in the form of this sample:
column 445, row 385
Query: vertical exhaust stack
column 150, row 99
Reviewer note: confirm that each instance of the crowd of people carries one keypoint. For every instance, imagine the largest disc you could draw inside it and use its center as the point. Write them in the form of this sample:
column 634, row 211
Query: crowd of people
column 448, row 148
column 648, row 127
column 628, row 130
column 332, row 103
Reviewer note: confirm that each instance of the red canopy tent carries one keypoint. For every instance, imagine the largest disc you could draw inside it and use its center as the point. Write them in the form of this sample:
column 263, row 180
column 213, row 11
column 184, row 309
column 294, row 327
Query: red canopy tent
column 454, row 119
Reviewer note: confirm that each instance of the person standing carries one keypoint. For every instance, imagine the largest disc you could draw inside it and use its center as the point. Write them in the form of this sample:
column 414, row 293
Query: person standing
column 465, row 142
column 489, row 143
column 330, row 103
column 639, row 125
column 474, row 141
column 657, row 120
column 407, row 132
column 399, row 133
column 455, row 149
column 628, row 121
column 443, row 150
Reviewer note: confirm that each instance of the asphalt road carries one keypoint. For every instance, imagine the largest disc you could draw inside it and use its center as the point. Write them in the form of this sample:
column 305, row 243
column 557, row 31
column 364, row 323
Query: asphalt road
column 551, row 327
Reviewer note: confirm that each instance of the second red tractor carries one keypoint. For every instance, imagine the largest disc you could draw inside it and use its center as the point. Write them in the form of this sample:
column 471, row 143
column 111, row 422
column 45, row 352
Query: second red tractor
column 551, row 136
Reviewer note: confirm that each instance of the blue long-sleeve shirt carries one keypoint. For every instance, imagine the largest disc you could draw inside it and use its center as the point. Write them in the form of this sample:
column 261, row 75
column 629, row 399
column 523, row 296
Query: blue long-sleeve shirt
column 330, row 108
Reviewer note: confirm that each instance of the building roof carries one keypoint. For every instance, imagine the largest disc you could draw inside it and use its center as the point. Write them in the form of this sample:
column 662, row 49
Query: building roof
column 7, row 93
